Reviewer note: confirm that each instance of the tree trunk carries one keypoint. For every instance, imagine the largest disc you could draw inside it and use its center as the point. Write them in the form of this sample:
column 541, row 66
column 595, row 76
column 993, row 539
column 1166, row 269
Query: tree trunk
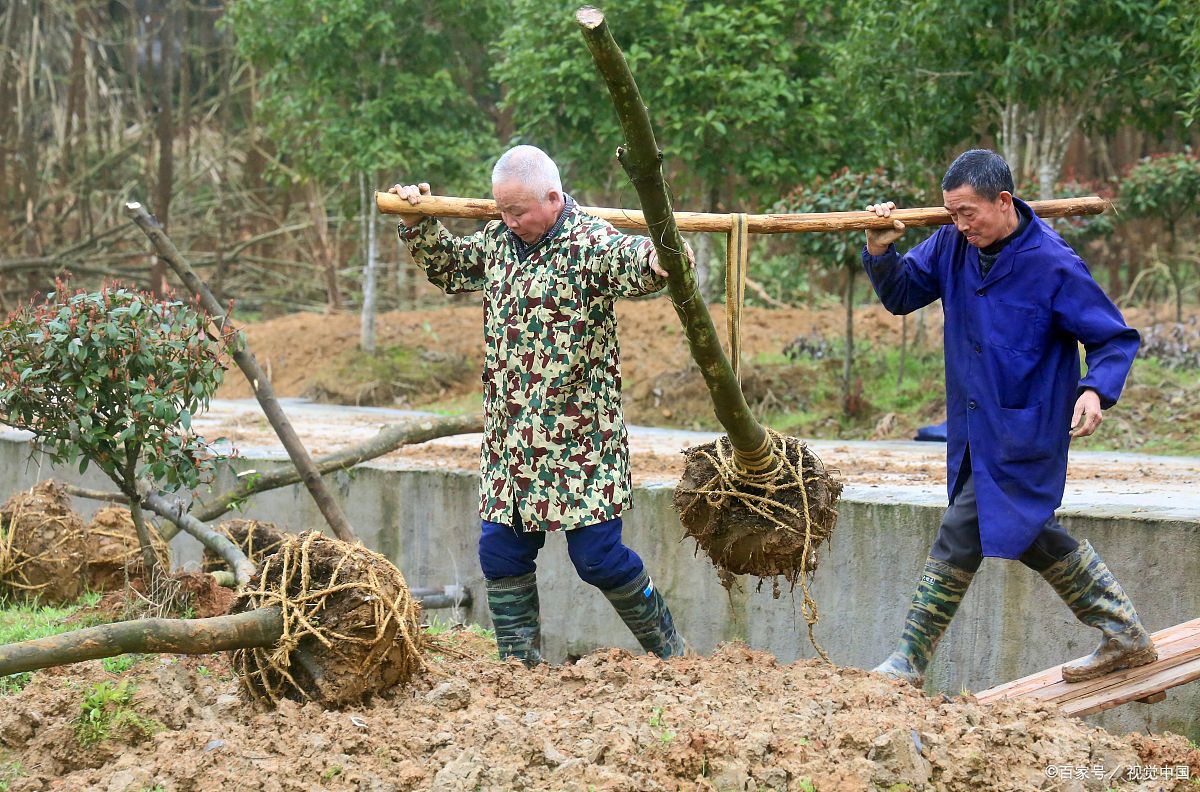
column 388, row 439
column 262, row 627
column 263, row 390
column 848, row 359
column 326, row 257
column 367, row 339
column 164, row 184
column 642, row 160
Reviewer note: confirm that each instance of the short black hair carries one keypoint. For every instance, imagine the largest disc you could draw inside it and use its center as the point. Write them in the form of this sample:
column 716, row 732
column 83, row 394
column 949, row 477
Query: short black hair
column 983, row 170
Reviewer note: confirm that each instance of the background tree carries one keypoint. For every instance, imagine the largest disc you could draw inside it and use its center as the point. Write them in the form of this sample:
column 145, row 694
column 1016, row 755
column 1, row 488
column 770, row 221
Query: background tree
column 730, row 87
column 1030, row 74
column 843, row 191
column 1167, row 189
column 356, row 90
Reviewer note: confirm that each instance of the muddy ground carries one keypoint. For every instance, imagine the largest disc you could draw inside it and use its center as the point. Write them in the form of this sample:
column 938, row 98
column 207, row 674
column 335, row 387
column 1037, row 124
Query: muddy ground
column 614, row 722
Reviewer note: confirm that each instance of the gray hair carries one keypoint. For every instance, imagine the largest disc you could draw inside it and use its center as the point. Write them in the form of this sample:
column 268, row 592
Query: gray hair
column 528, row 166
column 983, row 170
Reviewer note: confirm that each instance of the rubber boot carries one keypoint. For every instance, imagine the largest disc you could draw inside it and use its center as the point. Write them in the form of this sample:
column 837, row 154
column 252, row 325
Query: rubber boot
column 645, row 613
column 934, row 603
column 513, row 602
column 1093, row 594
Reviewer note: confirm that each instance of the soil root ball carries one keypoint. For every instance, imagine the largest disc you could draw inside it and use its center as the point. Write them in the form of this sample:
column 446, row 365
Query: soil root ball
column 114, row 553
column 42, row 545
column 351, row 627
column 768, row 525
column 256, row 538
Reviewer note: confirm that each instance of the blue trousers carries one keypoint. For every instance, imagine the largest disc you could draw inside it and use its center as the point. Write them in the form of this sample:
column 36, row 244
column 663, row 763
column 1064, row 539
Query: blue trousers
column 597, row 552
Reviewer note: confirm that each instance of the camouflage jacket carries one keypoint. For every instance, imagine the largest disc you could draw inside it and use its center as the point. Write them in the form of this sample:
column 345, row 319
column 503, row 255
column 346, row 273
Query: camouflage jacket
column 554, row 446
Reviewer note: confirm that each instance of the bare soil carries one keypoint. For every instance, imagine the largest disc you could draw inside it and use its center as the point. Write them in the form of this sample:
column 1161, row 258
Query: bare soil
column 734, row 721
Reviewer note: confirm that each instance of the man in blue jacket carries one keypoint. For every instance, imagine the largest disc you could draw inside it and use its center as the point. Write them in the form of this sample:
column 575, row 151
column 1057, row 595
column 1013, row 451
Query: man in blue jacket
column 1017, row 302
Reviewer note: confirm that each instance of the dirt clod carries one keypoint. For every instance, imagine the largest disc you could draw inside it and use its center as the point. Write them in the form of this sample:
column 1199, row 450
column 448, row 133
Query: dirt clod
column 114, row 554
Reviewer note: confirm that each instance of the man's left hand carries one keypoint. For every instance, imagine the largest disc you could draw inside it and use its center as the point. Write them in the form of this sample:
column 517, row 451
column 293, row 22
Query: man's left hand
column 1087, row 416
column 662, row 273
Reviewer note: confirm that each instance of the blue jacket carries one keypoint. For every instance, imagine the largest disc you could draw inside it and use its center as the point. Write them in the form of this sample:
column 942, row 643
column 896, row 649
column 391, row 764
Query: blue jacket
column 1012, row 364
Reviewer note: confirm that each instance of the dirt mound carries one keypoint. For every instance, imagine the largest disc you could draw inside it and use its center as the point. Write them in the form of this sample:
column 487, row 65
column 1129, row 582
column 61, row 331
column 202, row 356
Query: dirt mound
column 652, row 346
column 612, row 721
column 42, row 545
column 180, row 595
column 114, row 554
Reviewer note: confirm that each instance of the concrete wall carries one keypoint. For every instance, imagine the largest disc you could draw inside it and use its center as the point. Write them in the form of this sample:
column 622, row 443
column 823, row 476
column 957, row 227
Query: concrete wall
column 1011, row 623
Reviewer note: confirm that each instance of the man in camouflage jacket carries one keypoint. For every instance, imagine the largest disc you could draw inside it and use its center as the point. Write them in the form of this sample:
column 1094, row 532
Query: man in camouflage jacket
column 555, row 453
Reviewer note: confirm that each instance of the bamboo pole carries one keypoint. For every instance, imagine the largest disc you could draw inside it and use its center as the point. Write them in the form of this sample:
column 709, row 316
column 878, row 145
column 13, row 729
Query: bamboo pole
column 800, row 223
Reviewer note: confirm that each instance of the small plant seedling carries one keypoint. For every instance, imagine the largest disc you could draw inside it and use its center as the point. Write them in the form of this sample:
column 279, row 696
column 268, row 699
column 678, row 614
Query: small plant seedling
column 121, row 663
column 107, row 708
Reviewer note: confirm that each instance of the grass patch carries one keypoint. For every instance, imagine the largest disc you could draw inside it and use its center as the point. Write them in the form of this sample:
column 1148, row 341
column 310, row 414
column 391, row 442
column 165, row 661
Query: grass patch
column 107, row 710
column 122, row 663
column 10, row 770
column 26, row 621
column 1157, row 413
column 393, row 376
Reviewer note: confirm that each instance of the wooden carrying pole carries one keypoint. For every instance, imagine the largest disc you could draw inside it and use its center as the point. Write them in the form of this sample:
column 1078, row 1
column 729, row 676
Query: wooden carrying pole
column 484, row 209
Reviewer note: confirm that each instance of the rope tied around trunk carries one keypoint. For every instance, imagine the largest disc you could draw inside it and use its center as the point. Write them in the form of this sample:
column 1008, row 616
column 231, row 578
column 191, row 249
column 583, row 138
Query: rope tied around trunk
column 344, row 609
column 762, row 493
column 737, row 259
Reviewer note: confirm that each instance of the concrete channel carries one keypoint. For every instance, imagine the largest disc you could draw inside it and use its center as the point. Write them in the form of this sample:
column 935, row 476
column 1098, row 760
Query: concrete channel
column 1011, row 624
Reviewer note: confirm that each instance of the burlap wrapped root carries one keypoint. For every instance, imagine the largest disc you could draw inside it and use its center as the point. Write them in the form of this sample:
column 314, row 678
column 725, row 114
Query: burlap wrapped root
column 114, row 554
column 351, row 627
column 42, row 545
column 770, row 524
column 256, row 538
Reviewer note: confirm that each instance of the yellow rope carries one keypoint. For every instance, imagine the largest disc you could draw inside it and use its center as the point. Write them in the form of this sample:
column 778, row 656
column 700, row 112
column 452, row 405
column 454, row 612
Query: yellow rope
column 737, row 256
column 302, row 610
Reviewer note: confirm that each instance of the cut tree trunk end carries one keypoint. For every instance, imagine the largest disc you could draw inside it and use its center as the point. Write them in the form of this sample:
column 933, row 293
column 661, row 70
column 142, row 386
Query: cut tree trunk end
column 326, row 621
column 757, row 502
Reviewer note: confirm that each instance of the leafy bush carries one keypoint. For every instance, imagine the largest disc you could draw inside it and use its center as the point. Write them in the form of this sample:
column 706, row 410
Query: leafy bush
column 112, row 378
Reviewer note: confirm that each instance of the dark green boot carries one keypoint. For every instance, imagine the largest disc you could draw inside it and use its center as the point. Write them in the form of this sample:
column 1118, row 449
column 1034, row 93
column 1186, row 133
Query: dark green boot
column 1093, row 594
column 645, row 613
column 934, row 603
column 513, row 602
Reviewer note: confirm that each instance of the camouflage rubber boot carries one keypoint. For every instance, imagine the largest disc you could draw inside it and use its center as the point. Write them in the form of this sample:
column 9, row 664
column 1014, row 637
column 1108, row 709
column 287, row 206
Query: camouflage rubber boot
column 1093, row 594
column 645, row 613
column 513, row 602
column 934, row 603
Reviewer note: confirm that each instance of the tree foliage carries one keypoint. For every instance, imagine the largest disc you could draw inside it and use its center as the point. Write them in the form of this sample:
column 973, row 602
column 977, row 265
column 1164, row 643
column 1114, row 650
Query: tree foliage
column 730, row 88
column 1029, row 73
column 1165, row 187
column 113, row 378
column 351, row 86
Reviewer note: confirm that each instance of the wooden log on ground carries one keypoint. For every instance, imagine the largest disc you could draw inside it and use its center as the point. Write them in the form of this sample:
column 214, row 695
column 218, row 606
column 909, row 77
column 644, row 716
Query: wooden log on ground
column 261, row 627
column 1178, row 663
column 798, row 223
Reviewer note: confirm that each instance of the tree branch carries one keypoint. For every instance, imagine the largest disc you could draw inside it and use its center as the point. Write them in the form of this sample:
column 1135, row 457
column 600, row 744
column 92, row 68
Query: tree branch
column 246, row 361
